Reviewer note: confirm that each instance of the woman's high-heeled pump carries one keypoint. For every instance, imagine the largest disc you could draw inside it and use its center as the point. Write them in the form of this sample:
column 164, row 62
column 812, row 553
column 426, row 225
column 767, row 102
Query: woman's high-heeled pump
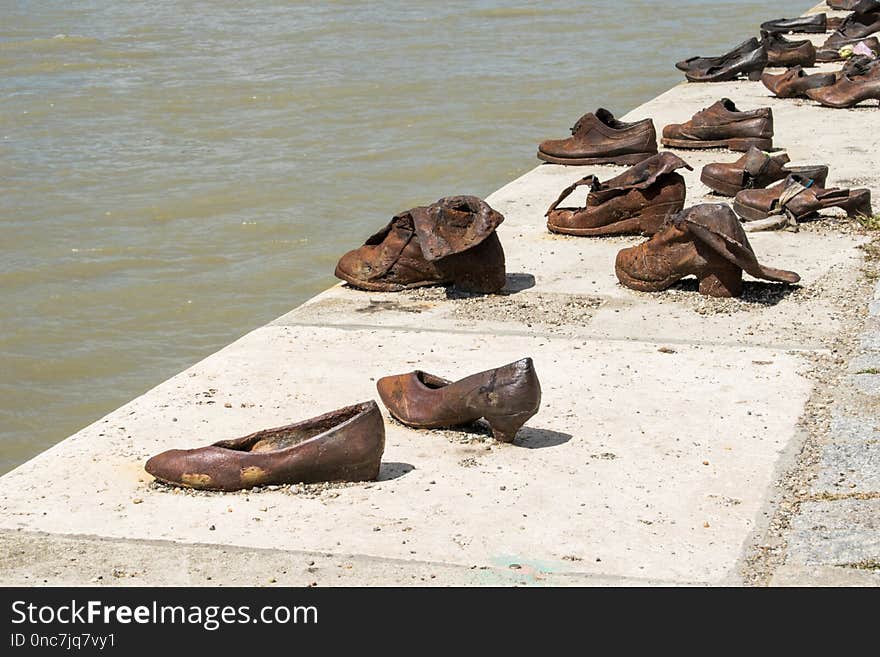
column 506, row 397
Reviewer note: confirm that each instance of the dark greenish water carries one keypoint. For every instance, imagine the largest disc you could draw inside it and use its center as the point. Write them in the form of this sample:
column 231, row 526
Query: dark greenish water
column 176, row 173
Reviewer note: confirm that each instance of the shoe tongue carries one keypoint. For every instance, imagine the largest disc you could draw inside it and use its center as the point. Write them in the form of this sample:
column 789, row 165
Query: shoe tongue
column 585, row 122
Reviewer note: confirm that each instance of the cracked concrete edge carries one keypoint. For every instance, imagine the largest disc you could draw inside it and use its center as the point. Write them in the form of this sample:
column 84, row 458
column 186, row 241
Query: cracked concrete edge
column 39, row 559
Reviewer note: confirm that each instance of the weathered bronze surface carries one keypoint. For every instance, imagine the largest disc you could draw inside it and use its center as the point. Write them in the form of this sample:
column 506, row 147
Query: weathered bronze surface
column 506, row 397
column 450, row 241
column 637, row 201
column 706, row 241
column 754, row 170
column 343, row 445
column 723, row 125
column 811, row 196
column 795, row 82
column 601, row 139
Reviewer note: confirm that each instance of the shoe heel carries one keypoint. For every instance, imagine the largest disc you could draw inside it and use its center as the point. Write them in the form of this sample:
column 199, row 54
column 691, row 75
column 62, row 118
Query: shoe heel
column 859, row 204
column 745, row 143
column 725, row 280
column 479, row 270
column 505, row 427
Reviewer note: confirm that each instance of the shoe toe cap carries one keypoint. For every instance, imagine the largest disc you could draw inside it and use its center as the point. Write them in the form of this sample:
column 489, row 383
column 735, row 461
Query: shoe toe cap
column 672, row 131
column 562, row 219
column 556, row 147
column 718, row 172
column 169, row 466
column 354, row 266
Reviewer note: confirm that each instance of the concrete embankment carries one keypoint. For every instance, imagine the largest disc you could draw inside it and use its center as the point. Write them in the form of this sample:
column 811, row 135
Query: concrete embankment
column 669, row 448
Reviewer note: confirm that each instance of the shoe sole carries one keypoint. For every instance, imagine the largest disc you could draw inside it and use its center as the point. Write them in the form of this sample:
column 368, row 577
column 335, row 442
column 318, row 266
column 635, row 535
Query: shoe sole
column 740, row 144
column 632, row 158
column 728, row 76
column 807, row 30
column 383, row 287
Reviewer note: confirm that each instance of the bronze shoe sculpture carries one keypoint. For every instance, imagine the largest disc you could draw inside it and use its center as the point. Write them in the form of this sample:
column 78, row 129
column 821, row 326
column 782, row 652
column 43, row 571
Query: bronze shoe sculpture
column 853, row 28
column 795, row 82
column 782, row 52
column 450, row 241
column 601, row 139
column 698, row 63
column 706, row 241
column 722, row 125
column 797, row 197
column 843, row 5
column 845, row 53
column 808, row 24
column 750, row 63
column 343, row 445
column 859, row 80
column 636, row 201
column 753, row 170
column 848, row 5
column 506, row 397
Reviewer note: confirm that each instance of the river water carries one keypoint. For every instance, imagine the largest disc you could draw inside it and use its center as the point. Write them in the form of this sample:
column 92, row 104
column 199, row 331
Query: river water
column 176, row 173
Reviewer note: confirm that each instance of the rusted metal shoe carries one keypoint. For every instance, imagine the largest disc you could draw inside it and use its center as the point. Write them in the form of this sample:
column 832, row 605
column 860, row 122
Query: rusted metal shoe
column 702, row 63
column 795, row 82
column 858, row 81
column 343, row 445
column 853, row 28
column 450, row 241
column 636, row 201
column 868, row 46
column 749, row 63
column 815, row 23
column 753, row 170
column 706, row 241
column 782, row 52
column 506, row 397
column 842, row 5
column 722, row 125
column 847, row 5
column 797, row 197
column 601, row 139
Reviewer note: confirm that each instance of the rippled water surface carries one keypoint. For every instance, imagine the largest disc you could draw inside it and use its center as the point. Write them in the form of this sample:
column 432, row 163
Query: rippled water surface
column 176, row 173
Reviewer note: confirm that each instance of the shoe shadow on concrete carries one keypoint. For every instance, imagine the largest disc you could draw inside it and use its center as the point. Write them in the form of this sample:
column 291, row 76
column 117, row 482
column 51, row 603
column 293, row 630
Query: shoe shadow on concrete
column 393, row 470
column 527, row 437
column 516, row 282
column 532, row 438
column 760, row 293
